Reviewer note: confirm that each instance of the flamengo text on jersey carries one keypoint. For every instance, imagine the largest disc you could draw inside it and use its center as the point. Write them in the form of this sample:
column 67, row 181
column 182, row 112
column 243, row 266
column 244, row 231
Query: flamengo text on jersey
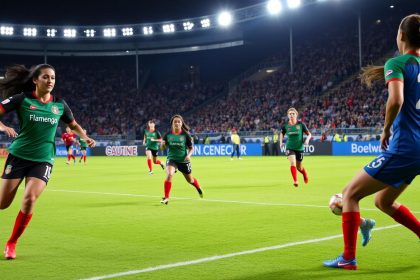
column 43, row 119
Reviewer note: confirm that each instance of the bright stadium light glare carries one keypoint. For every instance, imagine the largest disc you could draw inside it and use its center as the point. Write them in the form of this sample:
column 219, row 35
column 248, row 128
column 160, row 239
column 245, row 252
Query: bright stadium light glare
column 205, row 23
column 188, row 25
column 147, row 30
column 224, row 19
column 29, row 31
column 294, row 4
column 69, row 33
column 6, row 30
column 51, row 32
column 89, row 32
column 109, row 32
column 168, row 28
column 274, row 7
column 127, row 31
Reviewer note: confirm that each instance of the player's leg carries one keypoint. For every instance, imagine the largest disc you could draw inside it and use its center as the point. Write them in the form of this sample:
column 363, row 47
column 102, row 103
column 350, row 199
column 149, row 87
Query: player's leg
column 155, row 159
column 68, row 148
column 385, row 200
column 167, row 185
column 84, row 155
column 359, row 187
column 33, row 189
column 149, row 161
column 300, row 168
column 8, row 191
column 293, row 170
column 72, row 155
column 194, row 182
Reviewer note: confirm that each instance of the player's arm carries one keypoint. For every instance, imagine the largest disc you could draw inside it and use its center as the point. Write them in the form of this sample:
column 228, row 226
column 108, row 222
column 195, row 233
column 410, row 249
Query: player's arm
column 159, row 137
column 163, row 142
column 144, row 138
column 8, row 105
column 393, row 107
column 281, row 135
column 190, row 148
column 307, row 133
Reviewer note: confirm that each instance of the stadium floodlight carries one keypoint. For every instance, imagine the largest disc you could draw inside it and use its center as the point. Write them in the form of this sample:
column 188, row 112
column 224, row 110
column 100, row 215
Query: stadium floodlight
column 29, row 31
column 69, row 32
column 89, row 32
column 51, row 32
column 6, row 30
column 225, row 19
column 168, row 28
column 188, row 25
column 110, row 32
column 205, row 23
column 274, row 7
column 147, row 30
column 392, row 6
column 127, row 31
column 294, row 4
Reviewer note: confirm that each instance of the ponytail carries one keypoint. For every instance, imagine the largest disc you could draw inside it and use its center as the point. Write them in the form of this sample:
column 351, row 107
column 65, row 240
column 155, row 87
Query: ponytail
column 371, row 74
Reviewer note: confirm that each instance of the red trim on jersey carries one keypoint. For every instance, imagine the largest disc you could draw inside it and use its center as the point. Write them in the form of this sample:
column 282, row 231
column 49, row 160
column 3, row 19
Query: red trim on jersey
column 2, row 109
column 152, row 130
column 394, row 79
column 39, row 99
column 173, row 132
column 413, row 52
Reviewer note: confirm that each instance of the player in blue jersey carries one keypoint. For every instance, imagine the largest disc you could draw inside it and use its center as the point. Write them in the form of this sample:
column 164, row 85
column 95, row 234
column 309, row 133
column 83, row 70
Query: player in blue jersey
column 396, row 167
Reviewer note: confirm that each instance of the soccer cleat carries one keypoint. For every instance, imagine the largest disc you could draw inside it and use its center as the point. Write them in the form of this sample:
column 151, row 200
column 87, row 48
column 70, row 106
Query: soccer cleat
column 341, row 262
column 366, row 230
column 150, row 172
column 68, row 162
column 163, row 166
column 296, row 184
column 164, row 200
column 200, row 192
column 9, row 251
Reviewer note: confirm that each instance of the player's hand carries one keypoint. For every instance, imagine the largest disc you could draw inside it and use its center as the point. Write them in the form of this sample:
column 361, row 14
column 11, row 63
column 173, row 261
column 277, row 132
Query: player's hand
column 187, row 158
column 385, row 139
column 9, row 131
column 91, row 143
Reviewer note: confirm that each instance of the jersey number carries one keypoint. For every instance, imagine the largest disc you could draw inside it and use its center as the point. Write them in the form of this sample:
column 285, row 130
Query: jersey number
column 376, row 162
column 47, row 172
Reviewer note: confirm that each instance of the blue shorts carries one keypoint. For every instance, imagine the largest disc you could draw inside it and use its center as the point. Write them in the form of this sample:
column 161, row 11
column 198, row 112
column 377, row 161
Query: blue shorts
column 393, row 170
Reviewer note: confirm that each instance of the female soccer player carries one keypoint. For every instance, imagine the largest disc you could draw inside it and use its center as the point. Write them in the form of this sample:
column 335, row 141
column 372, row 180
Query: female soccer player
column 83, row 146
column 151, row 140
column 294, row 130
column 32, row 152
column 399, row 163
column 69, row 138
column 180, row 148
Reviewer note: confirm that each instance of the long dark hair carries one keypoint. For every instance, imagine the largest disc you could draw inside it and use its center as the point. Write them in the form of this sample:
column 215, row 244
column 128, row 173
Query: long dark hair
column 150, row 121
column 18, row 78
column 185, row 128
column 410, row 26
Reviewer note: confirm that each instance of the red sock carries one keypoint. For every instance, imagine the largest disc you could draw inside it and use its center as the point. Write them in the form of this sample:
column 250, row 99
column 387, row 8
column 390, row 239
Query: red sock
column 157, row 162
column 351, row 221
column 305, row 175
column 294, row 174
column 167, row 187
column 84, row 158
column 21, row 222
column 68, row 157
column 149, row 163
column 72, row 156
column 404, row 216
column 196, row 184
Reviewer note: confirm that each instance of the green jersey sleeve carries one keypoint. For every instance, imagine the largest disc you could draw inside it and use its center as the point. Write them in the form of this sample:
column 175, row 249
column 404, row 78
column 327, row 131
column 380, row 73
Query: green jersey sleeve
column 393, row 70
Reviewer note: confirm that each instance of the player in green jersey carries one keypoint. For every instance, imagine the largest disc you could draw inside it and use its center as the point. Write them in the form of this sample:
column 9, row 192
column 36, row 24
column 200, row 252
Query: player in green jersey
column 180, row 149
column 294, row 130
column 151, row 140
column 83, row 146
column 32, row 152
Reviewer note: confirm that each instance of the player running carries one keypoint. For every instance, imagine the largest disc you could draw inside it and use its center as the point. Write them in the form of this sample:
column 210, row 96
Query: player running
column 69, row 139
column 180, row 148
column 399, row 163
column 32, row 152
column 83, row 147
column 151, row 140
column 294, row 130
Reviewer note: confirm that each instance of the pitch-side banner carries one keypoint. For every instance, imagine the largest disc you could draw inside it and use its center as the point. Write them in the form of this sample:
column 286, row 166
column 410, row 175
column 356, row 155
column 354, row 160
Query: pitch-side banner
column 356, row 148
column 226, row 150
column 60, row 151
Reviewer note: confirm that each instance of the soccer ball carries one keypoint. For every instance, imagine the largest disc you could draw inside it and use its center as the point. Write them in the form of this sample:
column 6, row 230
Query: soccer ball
column 336, row 203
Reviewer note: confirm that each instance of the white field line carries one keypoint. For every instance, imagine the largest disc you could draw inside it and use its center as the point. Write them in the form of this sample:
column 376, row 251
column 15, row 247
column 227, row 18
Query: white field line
column 231, row 255
column 208, row 200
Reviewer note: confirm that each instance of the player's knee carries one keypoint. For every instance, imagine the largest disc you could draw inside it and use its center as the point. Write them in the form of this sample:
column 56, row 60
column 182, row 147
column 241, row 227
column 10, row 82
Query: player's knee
column 4, row 204
column 29, row 200
column 382, row 204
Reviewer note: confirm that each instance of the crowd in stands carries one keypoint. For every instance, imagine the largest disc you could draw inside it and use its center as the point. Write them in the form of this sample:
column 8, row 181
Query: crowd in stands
column 323, row 87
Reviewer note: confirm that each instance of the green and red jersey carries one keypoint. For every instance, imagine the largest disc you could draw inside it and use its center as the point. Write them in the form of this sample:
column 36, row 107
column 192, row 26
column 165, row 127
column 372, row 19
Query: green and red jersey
column 38, row 123
column 149, row 135
column 294, row 134
column 178, row 145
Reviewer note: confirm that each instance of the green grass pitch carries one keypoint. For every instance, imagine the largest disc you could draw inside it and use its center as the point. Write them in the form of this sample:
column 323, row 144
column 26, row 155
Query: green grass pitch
column 105, row 219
